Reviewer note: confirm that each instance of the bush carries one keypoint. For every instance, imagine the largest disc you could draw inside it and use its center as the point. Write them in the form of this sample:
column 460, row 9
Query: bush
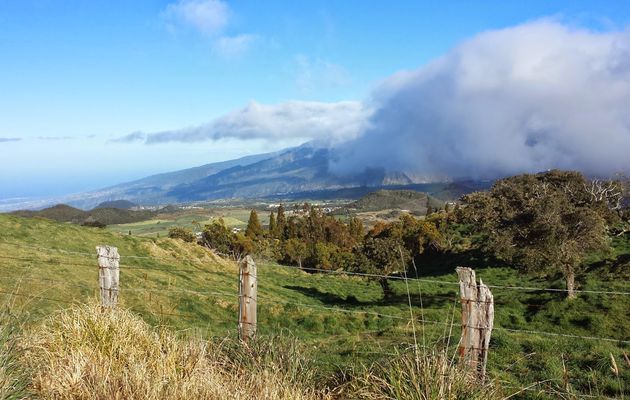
column 93, row 223
column 181, row 233
column 88, row 353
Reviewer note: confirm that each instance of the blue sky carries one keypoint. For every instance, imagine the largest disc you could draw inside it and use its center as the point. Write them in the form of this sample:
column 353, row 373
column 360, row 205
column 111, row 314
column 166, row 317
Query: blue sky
column 77, row 75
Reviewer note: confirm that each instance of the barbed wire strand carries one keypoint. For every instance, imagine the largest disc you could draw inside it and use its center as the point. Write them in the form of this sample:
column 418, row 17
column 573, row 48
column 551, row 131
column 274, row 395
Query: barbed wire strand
column 511, row 330
column 343, row 272
column 441, row 282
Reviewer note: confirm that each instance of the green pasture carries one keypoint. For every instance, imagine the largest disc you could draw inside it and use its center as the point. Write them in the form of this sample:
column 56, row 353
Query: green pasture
column 343, row 321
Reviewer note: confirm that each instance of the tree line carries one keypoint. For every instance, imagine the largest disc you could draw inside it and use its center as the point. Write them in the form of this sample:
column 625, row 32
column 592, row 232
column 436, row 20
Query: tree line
column 543, row 223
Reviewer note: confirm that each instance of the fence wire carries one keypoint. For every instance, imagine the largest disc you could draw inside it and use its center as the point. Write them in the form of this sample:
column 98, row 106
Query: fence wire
column 297, row 304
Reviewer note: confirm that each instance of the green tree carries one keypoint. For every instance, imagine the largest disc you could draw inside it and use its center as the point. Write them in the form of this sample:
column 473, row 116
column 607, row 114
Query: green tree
column 254, row 229
column 281, row 224
column 217, row 236
column 272, row 224
column 542, row 222
column 356, row 229
column 295, row 251
column 381, row 255
column 241, row 246
column 324, row 255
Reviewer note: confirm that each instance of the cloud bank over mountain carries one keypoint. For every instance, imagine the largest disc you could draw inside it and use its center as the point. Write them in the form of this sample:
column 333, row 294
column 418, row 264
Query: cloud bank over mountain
column 537, row 96
column 329, row 123
column 527, row 98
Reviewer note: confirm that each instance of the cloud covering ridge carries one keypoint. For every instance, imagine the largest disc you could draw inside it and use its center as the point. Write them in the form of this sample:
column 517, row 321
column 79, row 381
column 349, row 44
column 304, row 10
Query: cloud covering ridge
column 536, row 96
column 527, row 98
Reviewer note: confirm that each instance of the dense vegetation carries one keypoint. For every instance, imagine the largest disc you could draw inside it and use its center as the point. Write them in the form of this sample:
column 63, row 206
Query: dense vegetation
column 549, row 222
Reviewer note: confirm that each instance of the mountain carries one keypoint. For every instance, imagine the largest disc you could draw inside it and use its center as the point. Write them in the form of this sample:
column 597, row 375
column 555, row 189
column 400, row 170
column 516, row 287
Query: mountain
column 295, row 173
column 301, row 169
column 295, row 170
column 153, row 190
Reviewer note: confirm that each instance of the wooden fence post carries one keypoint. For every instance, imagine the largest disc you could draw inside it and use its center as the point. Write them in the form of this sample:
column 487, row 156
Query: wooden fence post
column 247, row 299
column 477, row 320
column 108, row 275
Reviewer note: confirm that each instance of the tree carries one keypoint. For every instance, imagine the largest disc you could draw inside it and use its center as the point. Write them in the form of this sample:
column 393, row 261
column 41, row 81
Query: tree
column 272, row 224
column 295, row 250
column 356, row 229
column 242, row 245
column 281, row 224
column 323, row 255
column 254, row 229
column 541, row 222
column 217, row 236
column 382, row 256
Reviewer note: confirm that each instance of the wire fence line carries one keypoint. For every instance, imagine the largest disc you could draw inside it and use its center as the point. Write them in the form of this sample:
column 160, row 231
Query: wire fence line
column 441, row 282
column 321, row 270
column 329, row 309
column 263, row 300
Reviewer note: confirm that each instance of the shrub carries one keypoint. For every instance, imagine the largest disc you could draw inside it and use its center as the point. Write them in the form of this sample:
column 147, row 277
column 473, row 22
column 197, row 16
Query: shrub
column 181, row 233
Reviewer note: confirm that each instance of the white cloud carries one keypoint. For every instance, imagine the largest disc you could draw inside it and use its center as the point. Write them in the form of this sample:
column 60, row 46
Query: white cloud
column 328, row 122
column 233, row 46
column 209, row 17
column 536, row 96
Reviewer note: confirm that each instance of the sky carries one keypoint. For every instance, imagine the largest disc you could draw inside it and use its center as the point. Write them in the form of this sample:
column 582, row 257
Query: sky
column 94, row 93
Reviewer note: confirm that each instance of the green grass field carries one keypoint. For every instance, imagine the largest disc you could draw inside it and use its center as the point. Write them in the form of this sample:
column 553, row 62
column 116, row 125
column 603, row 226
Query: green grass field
column 191, row 219
column 343, row 321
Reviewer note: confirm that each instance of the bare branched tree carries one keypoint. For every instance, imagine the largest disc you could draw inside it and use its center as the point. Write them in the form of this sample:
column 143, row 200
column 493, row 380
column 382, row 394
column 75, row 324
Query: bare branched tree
column 609, row 192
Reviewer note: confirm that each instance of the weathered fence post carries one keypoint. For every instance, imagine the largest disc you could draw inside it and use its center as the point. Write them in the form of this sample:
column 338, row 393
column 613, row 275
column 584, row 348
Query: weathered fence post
column 477, row 320
column 247, row 299
column 108, row 275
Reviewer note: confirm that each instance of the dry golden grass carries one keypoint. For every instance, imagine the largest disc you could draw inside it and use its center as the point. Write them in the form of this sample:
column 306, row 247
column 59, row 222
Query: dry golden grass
column 429, row 376
column 87, row 353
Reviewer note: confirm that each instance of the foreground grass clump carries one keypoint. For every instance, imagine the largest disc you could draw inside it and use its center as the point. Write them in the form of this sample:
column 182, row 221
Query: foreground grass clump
column 409, row 376
column 13, row 380
column 87, row 353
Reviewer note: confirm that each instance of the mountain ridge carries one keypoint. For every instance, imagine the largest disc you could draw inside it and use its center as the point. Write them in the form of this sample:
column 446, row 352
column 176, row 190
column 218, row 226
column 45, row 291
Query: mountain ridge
column 293, row 172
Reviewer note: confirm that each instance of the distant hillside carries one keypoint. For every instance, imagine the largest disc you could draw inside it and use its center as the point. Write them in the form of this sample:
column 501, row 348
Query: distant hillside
column 107, row 216
column 415, row 202
column 119, row 204
column 59, row 213
column 445, row 191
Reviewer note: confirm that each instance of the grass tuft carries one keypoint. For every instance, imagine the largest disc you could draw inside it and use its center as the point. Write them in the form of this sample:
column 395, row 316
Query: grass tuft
column 431, row 375
column 13, row 378
column 87, row 353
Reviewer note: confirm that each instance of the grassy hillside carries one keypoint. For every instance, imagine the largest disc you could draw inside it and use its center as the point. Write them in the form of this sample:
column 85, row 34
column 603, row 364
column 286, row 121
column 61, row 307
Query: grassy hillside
column 192, row 219
column 342, row 320
column 415, row 202
column 105, row 215
column 120, row 204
